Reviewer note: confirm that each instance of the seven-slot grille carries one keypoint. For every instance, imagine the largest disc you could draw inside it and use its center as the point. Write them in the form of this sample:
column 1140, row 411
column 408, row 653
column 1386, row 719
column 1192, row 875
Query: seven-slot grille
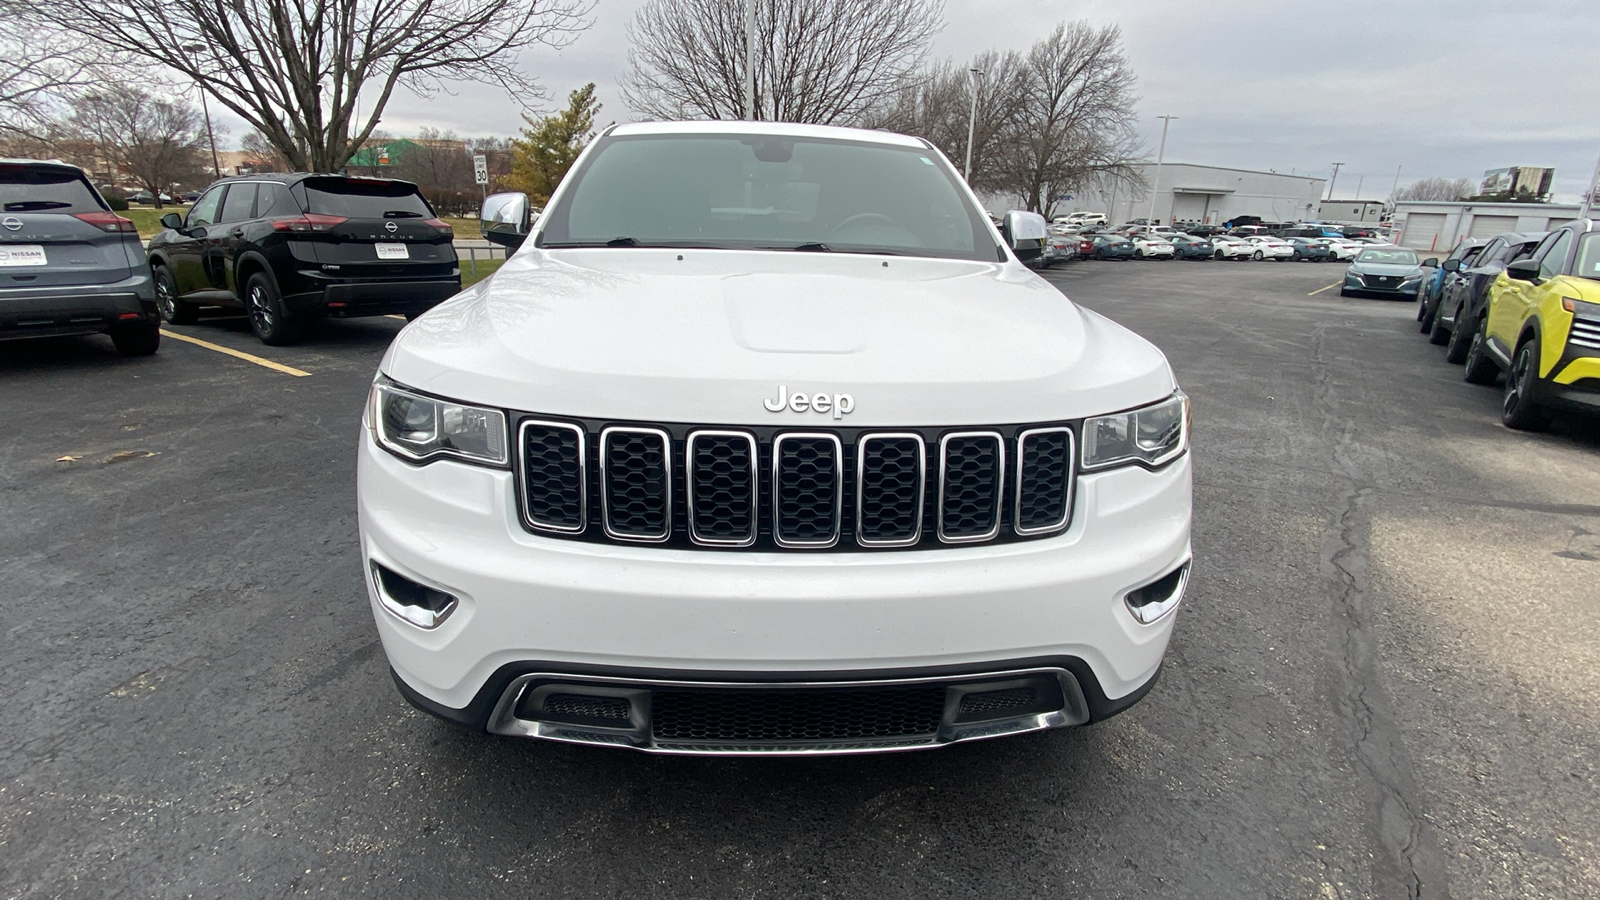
column 770, row 489
column 1585, row 333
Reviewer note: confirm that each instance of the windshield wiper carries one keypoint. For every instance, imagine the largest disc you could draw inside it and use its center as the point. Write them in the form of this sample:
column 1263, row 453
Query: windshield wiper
column 28, row 205
column 401, row 214
column 814, row 247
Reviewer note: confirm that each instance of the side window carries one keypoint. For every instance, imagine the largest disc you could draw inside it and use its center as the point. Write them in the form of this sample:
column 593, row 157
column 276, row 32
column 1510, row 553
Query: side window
column 1553, row 253
column 274, row 201
column 1522, row 251
column 204, row 211
column 240, row 205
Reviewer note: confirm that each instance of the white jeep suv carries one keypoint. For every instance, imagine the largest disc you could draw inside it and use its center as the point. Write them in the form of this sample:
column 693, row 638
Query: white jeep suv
column 766, row 442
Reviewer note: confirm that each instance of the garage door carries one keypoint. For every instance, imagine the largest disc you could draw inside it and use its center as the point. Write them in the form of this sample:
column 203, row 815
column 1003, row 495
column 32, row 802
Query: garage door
column 1489, row 226
column 1422, row 229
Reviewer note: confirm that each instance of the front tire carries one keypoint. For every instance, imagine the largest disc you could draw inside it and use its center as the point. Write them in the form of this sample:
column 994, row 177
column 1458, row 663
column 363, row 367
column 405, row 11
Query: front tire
column 1256, row 256
column 141, row 339
column 1479, row 367
column 1519, row 410
column 173, row 310
column 265, row 310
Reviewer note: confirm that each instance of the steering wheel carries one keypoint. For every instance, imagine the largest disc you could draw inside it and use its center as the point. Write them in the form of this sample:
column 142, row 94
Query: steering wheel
column 864, row 217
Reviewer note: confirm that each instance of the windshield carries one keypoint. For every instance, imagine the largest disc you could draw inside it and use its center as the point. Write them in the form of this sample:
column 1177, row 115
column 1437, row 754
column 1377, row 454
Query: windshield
column 1396, row 256
column 1588, row 264
column 45, row 189
column 767, row 192
column 356, row 198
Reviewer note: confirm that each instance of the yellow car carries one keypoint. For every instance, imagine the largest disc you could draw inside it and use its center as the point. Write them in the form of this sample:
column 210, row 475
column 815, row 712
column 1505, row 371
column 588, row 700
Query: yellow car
column 1543, row 328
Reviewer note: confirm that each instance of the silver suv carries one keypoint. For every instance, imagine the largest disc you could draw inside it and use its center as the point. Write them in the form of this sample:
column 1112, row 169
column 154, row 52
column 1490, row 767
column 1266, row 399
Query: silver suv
column 68, row 264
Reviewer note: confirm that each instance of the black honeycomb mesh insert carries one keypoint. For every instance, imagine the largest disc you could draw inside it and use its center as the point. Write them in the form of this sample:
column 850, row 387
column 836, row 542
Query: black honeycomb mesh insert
column 552, row 476
column 807, row 488
column 722, row 486
column 891, row 481
column 972, row 483
column 636, row 484
column 780, row 716
column 995, row 701
column 587, row 707
column 1046, row 479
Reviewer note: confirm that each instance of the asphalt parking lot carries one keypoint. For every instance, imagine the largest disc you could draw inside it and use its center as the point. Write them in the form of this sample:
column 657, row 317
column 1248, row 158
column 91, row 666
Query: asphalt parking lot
column 1383, row 682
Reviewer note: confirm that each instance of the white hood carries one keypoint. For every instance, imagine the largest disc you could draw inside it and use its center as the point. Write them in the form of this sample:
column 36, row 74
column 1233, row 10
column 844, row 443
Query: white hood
column 704, row 336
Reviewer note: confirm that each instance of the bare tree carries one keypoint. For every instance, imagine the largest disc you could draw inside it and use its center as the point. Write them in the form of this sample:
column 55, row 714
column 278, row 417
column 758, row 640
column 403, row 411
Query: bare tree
column 39, row 73
column 935, row 104
column 157, row 141
column 821, row 61
column 1073, row 123
column 262, row 155
column 295, row 69
column 1437, row 188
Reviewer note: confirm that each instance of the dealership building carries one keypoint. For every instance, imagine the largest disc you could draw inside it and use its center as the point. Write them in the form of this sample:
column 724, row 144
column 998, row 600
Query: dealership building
column 1438, row 225
column 1207, row 194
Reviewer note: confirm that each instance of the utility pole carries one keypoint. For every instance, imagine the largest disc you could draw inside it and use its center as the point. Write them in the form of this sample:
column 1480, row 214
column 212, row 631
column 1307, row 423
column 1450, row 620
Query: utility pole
column 216, row 167
column 750, row 60
column 1396, row 188
column 1332, row 181
column 972, row 121
column 1588, row 196
column 1360, row 179
column 1161, row 157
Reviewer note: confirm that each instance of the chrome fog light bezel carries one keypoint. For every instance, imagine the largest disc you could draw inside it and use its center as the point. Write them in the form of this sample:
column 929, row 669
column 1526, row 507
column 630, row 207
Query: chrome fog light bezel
column 1153, row 612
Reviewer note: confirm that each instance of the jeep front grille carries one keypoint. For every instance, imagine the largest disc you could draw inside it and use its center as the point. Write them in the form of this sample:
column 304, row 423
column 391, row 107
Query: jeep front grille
column 772, row 489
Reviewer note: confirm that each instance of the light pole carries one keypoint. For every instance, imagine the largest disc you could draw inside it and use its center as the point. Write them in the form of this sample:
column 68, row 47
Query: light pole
column 750, row 60
column 216, row 167
column 1588, row 196
column 1161, row 157
column 972, row 121
column 1333, row 180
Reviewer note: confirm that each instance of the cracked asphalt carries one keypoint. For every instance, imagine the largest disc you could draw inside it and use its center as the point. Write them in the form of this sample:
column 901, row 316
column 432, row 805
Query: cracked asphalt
column 1382, row 685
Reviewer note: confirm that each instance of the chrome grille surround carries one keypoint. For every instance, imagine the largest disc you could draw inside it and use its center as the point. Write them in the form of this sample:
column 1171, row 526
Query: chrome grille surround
column 946, row 495
column 521, row 465
column 606, row 500
column 862, row 450
column 778, row 486
column 1020, row 494
column 691, row 483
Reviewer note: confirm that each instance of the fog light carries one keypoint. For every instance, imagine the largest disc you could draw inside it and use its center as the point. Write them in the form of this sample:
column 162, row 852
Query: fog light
column 422, row 606
column 1159, row 597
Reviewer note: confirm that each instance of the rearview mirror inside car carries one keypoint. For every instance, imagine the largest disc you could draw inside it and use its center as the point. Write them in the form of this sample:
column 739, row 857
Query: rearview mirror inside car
column 172, row 220
column 1523, row 270
column 504, row 219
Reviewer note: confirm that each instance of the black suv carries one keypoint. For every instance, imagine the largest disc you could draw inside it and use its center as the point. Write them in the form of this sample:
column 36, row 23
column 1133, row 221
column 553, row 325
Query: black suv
column 68, row 264
column 291, row 249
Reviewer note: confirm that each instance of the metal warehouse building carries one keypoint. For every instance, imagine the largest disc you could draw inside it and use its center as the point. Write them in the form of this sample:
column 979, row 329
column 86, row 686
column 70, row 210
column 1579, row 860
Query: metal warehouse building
column 1435, row 225
column 1207, row 194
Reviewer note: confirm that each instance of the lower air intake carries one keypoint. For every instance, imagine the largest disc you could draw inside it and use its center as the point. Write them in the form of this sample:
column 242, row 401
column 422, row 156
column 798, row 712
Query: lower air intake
column 779, row 716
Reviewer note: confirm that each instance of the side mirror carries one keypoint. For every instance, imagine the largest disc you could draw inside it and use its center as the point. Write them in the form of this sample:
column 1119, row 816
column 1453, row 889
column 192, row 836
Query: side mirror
column 1026, row 233
column 504, row 219
column 1524, row 270
column 1451, row 265
column 172, row 220
column 1431, row 262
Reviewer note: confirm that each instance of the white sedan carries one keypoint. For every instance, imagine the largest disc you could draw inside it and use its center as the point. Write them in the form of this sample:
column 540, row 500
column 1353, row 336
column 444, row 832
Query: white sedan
column 1149, row 246
column 1275, row 249
column 1229, row 247
column 1345, row 248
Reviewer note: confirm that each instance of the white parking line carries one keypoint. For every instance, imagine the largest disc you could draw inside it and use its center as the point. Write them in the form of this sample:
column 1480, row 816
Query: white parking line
column 236, row 354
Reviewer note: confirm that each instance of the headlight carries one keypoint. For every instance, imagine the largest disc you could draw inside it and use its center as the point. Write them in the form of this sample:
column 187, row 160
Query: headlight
column 1151, row 436
column 420, row 428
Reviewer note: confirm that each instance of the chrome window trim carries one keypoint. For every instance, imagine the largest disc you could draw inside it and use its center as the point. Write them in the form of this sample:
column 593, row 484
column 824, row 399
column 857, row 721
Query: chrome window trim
column 605, row 491
column 583, row 475
column 838, row 490
column 1000, row 484
column 1072, row 480
column 755, row 488
column 922, row 485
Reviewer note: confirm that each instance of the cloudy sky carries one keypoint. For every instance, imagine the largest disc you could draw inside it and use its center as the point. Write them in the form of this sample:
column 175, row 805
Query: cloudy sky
column 1436, row 87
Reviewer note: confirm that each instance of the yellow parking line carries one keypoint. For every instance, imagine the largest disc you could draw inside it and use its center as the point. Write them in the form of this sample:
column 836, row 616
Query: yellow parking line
column 266, row 363
column 393, row 316
column 1321, row 289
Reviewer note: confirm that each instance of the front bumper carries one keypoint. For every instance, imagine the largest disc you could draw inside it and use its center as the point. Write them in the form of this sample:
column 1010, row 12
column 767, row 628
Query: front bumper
column 580, row 612
column 27, row 312
column 1407, row 290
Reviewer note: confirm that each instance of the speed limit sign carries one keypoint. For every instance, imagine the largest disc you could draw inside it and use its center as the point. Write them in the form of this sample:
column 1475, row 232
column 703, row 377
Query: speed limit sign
column 480, row 169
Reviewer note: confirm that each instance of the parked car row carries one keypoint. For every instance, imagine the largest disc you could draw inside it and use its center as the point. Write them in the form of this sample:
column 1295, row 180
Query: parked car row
column 287, row 249
column 1525, row 308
